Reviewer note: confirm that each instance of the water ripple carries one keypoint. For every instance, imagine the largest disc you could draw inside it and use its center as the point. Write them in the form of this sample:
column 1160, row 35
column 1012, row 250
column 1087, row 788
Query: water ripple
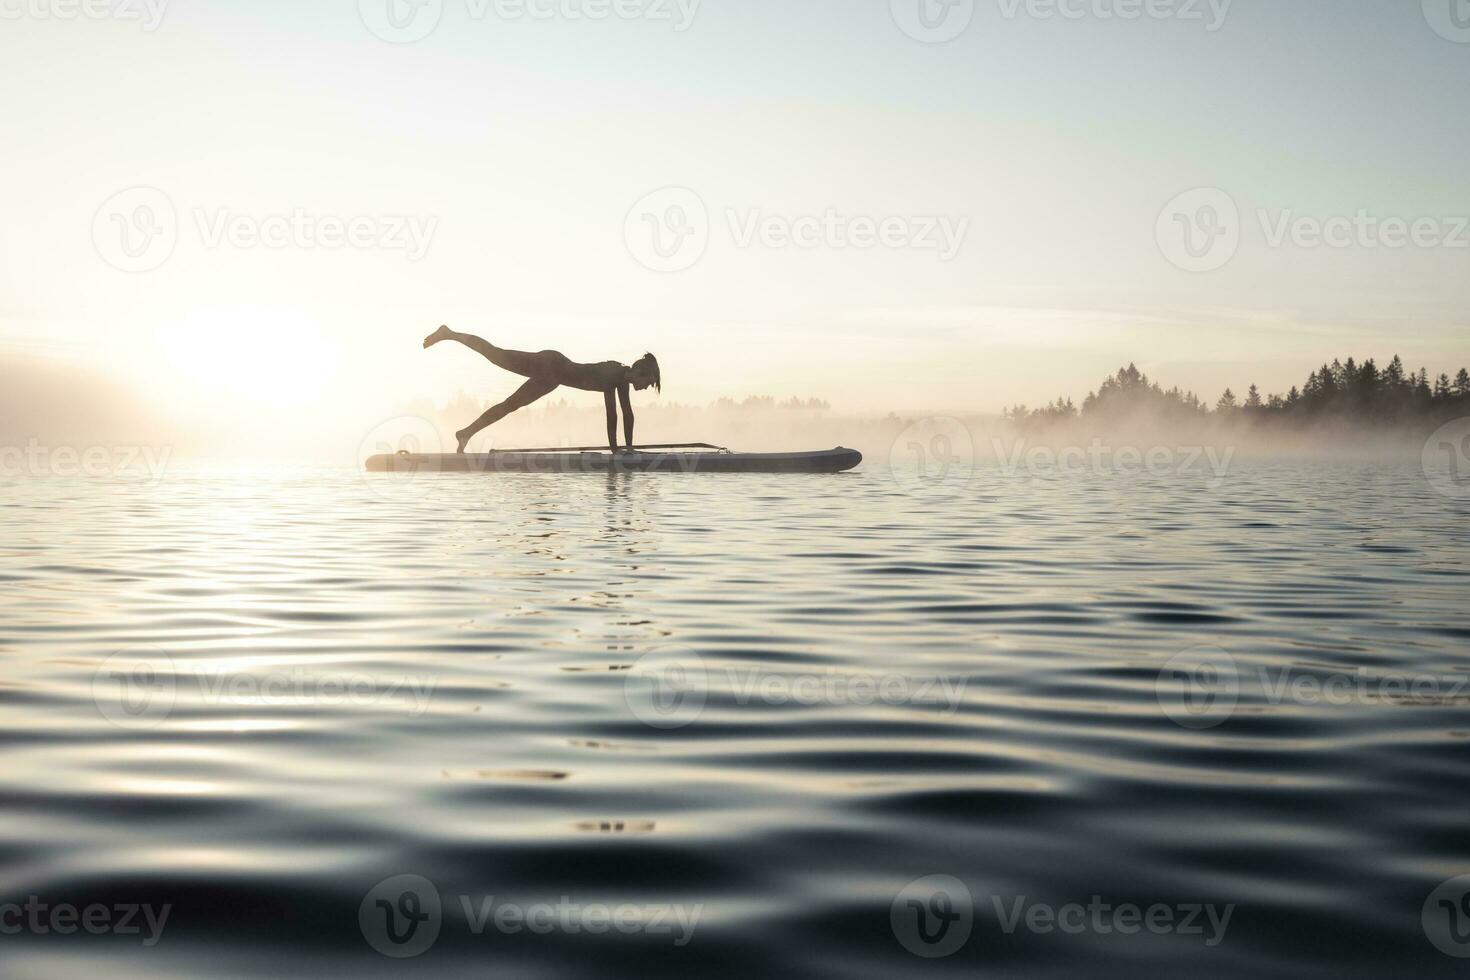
column 252, row 696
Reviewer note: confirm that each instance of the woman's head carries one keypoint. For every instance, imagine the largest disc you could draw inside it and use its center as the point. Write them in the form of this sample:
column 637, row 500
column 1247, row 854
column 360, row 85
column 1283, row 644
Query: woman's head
column 644, row 372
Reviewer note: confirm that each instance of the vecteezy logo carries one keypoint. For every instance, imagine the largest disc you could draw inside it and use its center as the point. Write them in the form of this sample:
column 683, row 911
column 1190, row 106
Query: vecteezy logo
column 933, row 457
column 401, row 21
column 668, row 230
column 1199, row 688
column 933, row 916
column 1449, row 18
column 665, row 693
column 1446, row 917
column 1446, row 459
column 933, row 21
column 136, row 230
column 135, row 690
column 1199, row 231
column 408, row 445
column 401, row 916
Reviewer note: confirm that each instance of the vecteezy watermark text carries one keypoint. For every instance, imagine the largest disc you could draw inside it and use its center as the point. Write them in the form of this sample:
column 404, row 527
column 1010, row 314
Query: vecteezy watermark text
column 137, row 230
column 934, row 916
column 409, row 21
column 1362, row 230
column 37, row 459
column 935, row 456
column 672, row 692
column 1361, row 686
column 840, row 688
column 406, row 233
column 565, row 915
column 1100, row 917
column 1210, row 13
column 679, row 13
column 833, row 230
column 1202, row 230
column 669, row 230
column 1016, row 458
column 402, row 917
column 149, row 12
column 139, row 689
column 938, row 21
column 1200, row 687
column 40, row 918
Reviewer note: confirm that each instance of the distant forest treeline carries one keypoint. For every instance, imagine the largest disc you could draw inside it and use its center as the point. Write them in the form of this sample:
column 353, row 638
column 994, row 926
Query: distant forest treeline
column 1347, row 392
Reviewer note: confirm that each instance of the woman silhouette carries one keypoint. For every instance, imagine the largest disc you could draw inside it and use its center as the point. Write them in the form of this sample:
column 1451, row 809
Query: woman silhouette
column 548, row 370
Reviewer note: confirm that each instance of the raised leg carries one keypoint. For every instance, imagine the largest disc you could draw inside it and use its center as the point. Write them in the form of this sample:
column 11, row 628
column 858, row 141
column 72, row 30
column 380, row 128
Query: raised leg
column 523, row 396
column 515, row 361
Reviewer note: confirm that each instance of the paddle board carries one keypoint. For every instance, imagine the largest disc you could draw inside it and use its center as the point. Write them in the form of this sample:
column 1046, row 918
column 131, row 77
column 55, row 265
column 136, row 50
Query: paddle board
column 519, row 461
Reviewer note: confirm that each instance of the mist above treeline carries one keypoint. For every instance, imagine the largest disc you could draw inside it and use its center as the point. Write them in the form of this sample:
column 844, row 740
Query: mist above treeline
column 1343, row 395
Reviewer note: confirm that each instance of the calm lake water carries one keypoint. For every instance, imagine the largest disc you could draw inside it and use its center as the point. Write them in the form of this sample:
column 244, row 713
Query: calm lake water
column 1091, row 724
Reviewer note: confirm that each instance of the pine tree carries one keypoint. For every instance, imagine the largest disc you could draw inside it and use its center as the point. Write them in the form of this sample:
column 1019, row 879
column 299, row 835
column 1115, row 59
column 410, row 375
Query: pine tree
column 1393, row 375
column 1350, row 391
column 1368, row 379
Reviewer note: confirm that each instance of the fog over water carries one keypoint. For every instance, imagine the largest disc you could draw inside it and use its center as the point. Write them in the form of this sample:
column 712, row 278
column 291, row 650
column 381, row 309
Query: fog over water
column 49, row 403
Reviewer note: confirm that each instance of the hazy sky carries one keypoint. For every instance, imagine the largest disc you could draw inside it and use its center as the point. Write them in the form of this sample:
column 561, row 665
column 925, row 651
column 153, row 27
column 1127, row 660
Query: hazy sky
column 498, row 165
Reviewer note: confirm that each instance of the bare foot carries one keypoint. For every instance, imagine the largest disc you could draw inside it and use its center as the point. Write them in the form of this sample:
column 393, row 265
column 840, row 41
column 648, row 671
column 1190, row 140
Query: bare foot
column 464, row 440
column 441, row 334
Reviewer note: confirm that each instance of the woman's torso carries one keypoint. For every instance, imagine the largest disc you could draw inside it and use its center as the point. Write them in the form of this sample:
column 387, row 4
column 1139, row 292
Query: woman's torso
column 602, row 376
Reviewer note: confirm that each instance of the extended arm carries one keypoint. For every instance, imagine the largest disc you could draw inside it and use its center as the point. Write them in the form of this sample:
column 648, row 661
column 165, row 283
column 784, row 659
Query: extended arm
column 612, row 419
column 627, row 414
